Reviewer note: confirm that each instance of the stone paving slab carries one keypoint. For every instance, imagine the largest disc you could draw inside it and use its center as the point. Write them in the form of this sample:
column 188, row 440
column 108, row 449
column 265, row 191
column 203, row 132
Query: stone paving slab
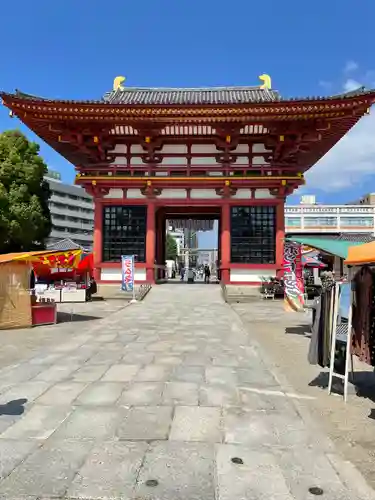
column 258, row 477
column 110, row 470
column 196, row 423
column 100, row 393
column 95, row 423
column 153, row 403
column 47, row 472
column 37, row 423
column 142, row 394
column 183, row 471
column 149, row 423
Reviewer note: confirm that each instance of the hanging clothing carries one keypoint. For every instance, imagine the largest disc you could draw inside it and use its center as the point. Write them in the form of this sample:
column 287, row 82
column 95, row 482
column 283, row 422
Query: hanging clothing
column 313, row 354
column 364, row 316
column 320, row 343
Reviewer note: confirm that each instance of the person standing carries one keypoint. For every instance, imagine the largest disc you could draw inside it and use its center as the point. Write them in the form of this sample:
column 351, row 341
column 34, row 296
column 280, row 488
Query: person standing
column 91, row 289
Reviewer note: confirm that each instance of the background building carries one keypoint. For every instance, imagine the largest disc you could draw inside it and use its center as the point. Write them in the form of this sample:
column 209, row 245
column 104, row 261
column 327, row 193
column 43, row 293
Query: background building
column 310, row 217
column 72, row 213
column 368, row 199
column 311, row 220
column 178, row 235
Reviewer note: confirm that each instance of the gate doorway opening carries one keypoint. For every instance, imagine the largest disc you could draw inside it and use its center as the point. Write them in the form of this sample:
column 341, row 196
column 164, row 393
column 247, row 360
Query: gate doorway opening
column 187, row 240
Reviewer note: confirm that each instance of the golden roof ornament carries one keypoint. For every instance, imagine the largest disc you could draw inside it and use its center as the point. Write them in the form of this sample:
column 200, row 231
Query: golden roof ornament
column 117, row 83
column 266, row 79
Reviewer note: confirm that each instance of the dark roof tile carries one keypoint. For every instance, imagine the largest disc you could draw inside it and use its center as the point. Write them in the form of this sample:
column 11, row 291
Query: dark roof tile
column 64, row 245
column 219, row 95
column 191, row 96
column 363, row 237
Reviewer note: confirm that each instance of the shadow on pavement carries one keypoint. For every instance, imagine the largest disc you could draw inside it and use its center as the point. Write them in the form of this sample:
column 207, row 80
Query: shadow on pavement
column 363, row 383
column 15, row 407
column 298, row 330
column 65, row 317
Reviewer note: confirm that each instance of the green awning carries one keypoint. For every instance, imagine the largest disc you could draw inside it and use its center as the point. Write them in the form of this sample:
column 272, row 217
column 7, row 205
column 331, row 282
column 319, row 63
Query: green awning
column 333, row 247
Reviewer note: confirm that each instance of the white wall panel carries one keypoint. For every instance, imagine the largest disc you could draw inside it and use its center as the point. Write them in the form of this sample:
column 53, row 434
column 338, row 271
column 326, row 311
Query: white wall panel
column 115, row 193
column 204, row 193
column 173, row 193
column 174, row 148
column 264, row 194
column 250, row 275
column 204, row 148
column 134, row 193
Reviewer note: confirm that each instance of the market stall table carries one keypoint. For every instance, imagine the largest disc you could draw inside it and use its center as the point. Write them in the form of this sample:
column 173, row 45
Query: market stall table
column 44, row 313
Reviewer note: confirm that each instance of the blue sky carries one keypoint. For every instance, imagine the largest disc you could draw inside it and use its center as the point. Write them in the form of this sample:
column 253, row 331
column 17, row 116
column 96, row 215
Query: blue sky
column 75, row 49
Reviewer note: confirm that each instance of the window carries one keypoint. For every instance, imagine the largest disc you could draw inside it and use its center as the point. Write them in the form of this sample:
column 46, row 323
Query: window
column 253, row 235
column 357, row 221
column 124, row 232
column 293, row 221
column 320, row 221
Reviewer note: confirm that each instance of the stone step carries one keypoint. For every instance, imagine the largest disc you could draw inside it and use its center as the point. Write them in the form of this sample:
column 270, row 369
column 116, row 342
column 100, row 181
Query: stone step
column 114, row 292
column 241, row 294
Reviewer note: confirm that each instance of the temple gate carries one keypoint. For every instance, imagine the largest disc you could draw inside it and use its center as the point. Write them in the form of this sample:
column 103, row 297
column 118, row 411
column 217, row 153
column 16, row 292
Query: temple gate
column 232, row 154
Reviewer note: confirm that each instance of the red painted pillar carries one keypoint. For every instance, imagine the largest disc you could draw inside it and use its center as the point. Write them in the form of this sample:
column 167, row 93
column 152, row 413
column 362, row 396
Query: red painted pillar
column 98, row 240
column 158, row 236
column 225, row 242
column 163, row 238
column 280, row 235
column 150, row 243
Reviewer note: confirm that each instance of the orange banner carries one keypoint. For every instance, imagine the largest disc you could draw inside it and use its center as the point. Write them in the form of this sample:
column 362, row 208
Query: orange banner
column 61, row 260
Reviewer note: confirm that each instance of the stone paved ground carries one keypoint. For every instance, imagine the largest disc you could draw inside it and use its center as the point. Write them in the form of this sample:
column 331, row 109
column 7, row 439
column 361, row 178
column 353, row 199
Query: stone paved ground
column 155, row 401
column 285, row 338
column 18, row 344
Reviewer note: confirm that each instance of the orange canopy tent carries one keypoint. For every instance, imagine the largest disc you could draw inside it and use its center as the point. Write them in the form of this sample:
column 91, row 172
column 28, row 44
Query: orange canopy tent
column 72, row 265
column 50, row 258
column 361, row 254
column 15, row 268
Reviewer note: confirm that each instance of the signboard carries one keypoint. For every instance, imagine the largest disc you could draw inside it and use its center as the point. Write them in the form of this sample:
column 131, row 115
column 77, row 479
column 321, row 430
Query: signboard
column 127, row 266
column 293, row 277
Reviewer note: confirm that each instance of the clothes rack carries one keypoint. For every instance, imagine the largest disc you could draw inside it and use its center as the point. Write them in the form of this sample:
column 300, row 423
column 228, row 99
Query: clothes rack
column 341, row 333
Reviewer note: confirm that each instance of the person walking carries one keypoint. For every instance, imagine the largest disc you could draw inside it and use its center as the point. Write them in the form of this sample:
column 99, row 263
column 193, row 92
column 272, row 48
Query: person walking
column 182, row 273
column 207, row 273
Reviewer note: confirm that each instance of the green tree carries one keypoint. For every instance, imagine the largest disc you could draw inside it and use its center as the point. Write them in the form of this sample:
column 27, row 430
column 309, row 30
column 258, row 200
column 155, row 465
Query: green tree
column 25, row 220
column 170, row 248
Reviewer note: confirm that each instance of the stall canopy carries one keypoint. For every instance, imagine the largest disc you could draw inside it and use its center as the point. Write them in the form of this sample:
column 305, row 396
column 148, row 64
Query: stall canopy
column 362, row 254
column 62, row 265
column 333, row 247
column 311, row 260
column 50, row 258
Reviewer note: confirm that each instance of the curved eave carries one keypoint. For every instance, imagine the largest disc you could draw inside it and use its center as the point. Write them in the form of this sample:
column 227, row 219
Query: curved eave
column 342, row 112
column 100, row 111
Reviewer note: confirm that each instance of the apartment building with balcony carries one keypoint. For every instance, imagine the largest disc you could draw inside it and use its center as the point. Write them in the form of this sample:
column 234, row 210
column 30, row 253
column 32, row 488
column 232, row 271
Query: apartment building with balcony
column 72, row 213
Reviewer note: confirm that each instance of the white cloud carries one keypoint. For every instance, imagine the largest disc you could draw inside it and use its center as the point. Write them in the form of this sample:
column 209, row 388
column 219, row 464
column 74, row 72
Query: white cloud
column 351, row 162
column 351, row 84
column 348, row 163
column 350, row 66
